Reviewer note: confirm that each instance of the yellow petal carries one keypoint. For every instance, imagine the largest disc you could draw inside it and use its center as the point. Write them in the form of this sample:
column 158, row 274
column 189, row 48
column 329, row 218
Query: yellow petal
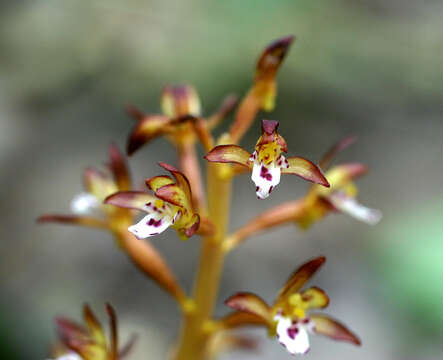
column 299, row 278
column 315, row 298
column 156, row 182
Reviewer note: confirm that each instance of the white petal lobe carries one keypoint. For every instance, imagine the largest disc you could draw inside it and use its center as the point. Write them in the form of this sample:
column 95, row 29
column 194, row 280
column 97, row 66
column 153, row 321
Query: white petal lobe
column 292, row 335
column 70, row 356
column 152, row 224
column 265, row 178
column 352, row 207
column 84, row 203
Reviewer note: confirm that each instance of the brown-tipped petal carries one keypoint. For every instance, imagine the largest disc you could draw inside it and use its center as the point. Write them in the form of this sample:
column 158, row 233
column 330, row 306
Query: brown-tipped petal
column 134, row 112
column 145, row 130
column 181, row 179
column 156, row 182
column 98, row 183
column 68, row 329
column 130, row 200
column 73, row 220
column 229, row 154
column 180, row 100
column 119, row 168
column 315, row 297
column 331, row 328
column 305, row 169
column 272, row 57
column 352, row 170
column 193, row 226
column 228, row 104
column 94, row 327
column 239, row 319
column 300, row 277
column 334, row 150
column 147, row 258
column 340, row 175
column 127, row 348
column 174, row 195
column 250, row 303
column 113, row 332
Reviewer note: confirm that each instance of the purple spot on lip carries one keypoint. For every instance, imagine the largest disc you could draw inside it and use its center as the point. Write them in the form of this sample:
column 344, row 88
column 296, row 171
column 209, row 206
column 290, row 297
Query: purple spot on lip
column 292, row 332
column 265, row 174
column 271, row 188
column 155, row 223
column 257, row 188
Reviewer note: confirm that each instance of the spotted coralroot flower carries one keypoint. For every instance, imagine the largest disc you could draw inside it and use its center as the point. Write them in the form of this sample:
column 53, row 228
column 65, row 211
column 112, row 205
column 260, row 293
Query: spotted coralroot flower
column 267, row 162
column 290, row 317
column 180, row 106
column 89, row 342
column 171, row 205
column 88, row 208
column 341, row 195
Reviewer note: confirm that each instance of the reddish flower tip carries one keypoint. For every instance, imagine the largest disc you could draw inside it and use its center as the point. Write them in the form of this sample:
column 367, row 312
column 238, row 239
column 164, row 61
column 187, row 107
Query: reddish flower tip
column 168, row 167
column 269, row 126
column 135, row 142
column 282, row 43
column 134, row 112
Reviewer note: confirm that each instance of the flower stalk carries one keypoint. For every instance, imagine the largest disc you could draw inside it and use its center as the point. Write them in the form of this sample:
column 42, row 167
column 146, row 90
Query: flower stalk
column 181, row 202
column 192, row 343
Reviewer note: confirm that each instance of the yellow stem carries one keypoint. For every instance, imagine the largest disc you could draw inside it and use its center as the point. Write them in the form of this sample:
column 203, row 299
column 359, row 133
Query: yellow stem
column 193, row 339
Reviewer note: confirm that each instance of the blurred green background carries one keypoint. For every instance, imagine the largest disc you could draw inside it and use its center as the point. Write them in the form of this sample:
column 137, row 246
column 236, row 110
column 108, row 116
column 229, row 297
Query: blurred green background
column 368, row 68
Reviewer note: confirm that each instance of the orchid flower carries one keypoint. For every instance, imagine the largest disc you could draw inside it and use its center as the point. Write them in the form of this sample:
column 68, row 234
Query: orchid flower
column 91, row 211
column 171, row 205
column 267, row 162
column 88, row 208
column 89, row 342
column 341, row 195
column 290, row 317
column 180, row 106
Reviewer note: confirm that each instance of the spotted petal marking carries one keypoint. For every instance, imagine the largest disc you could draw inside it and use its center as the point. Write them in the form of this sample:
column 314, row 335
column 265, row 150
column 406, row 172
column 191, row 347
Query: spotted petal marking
column 266, row 176
column 293, row 335
column 150, row 225
column 352, row 207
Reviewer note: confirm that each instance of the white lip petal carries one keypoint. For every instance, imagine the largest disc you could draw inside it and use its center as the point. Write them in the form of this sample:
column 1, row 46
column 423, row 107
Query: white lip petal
column 265, row 178
column 84, row 203
column 352, row 207
column 152, row 224
column 292, row 335
column 70, row 356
